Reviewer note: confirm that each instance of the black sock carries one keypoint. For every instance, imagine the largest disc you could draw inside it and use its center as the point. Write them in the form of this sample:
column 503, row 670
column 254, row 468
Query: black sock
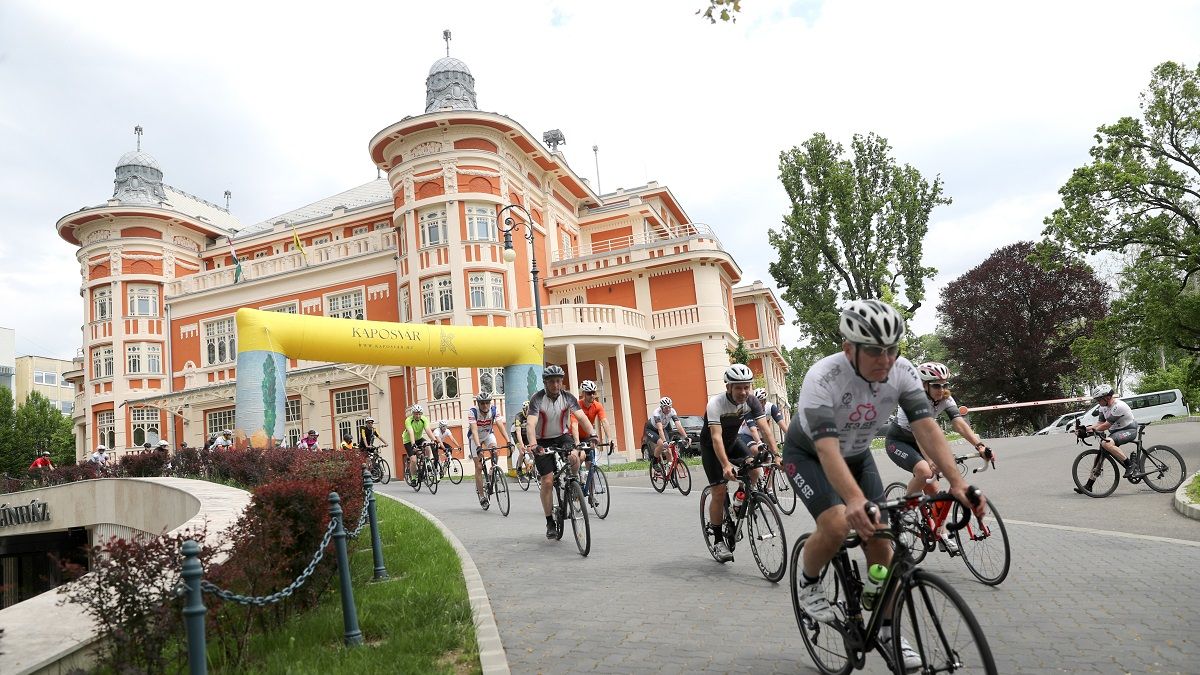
column 549, row 520
column 1128, row 462
column 1088, row 485
column 806, row 580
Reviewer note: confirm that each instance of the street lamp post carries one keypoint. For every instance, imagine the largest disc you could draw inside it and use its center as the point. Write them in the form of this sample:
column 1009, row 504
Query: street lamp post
column 510, row 255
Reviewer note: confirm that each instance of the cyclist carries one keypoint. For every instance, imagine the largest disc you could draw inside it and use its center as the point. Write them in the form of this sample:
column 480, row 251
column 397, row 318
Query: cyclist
column 42, row 462
column 309, row 442
column 719, row 444
column 368, row 436
column 549, row 426
column 1117, row 418
column 347, row 441
column 443, row 437
column 518, row 432
column 593, row 409
column 662, row 421
column 827, row 449
column 416, row 432
column 902, row 446
column 749, row 430
column 481, row 436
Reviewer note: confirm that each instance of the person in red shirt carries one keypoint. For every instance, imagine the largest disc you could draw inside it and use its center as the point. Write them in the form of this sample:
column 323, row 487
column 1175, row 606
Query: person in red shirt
column 42, row 462
column 593, row 409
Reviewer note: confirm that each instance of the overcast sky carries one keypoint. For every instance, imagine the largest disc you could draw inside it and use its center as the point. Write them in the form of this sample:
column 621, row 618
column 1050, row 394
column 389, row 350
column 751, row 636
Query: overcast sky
column 277, row 103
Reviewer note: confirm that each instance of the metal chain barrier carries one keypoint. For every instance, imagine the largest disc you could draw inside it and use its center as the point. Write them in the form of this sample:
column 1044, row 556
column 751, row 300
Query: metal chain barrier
column 264, row 600
column 368, row 493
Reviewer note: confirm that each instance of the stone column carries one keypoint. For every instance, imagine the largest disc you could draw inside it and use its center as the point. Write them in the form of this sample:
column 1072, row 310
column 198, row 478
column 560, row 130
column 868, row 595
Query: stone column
column 631, row 442
column 572, row 369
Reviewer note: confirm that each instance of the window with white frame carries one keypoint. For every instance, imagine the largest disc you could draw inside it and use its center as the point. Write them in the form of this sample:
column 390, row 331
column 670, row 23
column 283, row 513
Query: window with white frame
column 491, row 380
column 496, row 284
column 428, row 306
column 362, row 229
column 288, row 308
column 42, row 377
column 144, row 424
column 345, row 305
column 565, row 240
column 433, row 228
column 445, row 295
column 405, row 305
column 101, row 304
column 291, row 416
column 445, row 384
column 106, row 428
column 351, row 408
column 143, row 358
column 481, row 223
column 478, row 290
column 67, row 407
column 219, row 420
column 143, row 301
column 220, row 341
column 102, row 362
column 486, row 290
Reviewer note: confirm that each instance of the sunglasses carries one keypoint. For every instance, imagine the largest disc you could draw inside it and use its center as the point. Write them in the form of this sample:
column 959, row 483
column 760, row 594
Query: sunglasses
column 875, row 351
column 938, row 385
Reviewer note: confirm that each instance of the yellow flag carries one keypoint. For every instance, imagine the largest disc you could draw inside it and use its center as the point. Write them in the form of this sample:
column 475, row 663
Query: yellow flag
column 296, row 239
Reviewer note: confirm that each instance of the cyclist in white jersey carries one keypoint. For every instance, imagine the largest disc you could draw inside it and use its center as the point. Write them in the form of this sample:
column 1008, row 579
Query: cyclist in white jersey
column 1117, row 418
column 549, row 428
column 444, row 438
column 749, row 432
column 827, row 450
column 902, row 446
column 662, row 422
column 482, row 427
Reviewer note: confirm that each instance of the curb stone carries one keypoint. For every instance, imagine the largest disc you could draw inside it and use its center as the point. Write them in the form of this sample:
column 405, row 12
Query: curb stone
column 493, row 660
column 1182, row 504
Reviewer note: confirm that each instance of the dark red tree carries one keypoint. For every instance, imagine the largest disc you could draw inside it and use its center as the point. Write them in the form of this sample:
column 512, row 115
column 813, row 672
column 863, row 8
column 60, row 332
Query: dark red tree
column 1010, row 323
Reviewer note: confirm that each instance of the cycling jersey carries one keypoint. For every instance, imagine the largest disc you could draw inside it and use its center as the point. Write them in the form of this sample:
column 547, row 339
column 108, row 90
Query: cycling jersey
column 901, row 428
column 772, row 411
column 480, row 424
column 594, row 411
column 519, row 422
column 554, row 414
column 367, row 437
column 308, row 444
column 722, row 410
column 414, row 428
column 836, row 403
column 442, row 434
column 657, row 417
column 1118, row 414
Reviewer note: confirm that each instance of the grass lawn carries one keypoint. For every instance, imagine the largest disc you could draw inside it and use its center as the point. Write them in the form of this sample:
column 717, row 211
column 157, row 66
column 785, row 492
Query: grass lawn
column 640, row 465
column 419, row 621
column 1193, row 490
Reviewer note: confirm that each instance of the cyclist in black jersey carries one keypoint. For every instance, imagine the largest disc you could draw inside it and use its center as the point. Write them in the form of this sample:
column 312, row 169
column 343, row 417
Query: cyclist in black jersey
column 549, row 426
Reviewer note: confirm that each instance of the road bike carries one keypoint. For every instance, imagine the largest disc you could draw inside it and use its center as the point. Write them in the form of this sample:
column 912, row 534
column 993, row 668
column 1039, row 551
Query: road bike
column 381, row 471
column 775, row 483
column 427, row 474
column 451, row 468
column 1097, row 473
column 924, row 609
column 764, row 527
column 525, row 471
column 673, row 471
column 594, row 481
column 569, row 502
column 495, row 483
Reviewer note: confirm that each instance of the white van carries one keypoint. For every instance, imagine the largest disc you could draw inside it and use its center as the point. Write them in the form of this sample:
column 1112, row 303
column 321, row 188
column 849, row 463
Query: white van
column 1061, row 425
column 1151, row 407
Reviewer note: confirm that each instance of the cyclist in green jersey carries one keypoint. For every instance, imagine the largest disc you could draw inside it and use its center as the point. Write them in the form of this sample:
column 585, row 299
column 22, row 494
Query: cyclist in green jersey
column 416, row 427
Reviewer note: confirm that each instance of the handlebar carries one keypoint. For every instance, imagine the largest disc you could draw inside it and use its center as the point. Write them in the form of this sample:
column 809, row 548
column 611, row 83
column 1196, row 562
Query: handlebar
column 909, row 502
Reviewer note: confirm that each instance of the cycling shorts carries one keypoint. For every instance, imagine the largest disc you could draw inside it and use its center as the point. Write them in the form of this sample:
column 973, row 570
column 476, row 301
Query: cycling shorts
column 815, row 490
column 712, row 465
column 545, row 462
column 1124, row 435
column 904, row 454
column 473, row 449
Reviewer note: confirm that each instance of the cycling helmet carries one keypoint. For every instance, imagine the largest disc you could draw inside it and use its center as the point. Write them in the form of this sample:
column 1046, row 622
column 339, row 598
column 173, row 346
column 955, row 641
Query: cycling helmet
column 102, row 448
column 760, row 394
column 416, row 410
column 932, row 371
column 738, row 374
column 588, row 387
column 45, row 453
column 161, row 444
column 146, row 445
column 312, row 432
column 346, row 437
column 553, row 371
column 871, row 322
column 1102, row 391
column 441, row 424
column 665, row 402
column 484, row 397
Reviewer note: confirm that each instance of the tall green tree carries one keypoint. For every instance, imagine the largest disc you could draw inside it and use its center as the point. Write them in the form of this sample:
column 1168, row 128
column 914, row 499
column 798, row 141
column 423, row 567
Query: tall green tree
column 36, row 425
column 799, row 360
column 1140, row 196
column 8, row 447
column 855, row 230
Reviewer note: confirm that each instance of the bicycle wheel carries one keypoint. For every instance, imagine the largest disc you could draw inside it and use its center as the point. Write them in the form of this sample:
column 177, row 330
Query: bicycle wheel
column 414, row 478
column 580, row 526
column 1163, row 467
column 683, row 479
column 984, row 544
column 432, row 478
column 705, row 496
column 781, row 490
column 524, row 478
column 825, row 644
column 767, row 540
column 939, row 625
column 454, row 470
column 376, row 473
column 911, row 531
column 559, row 510
column 385, row 471
column 1099, row 467
column 658, row 478
column 500, row 490
column 598, row 494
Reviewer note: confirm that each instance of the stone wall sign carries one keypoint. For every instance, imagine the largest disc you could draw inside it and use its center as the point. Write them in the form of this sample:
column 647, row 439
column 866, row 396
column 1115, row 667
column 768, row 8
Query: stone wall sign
column 20, row 514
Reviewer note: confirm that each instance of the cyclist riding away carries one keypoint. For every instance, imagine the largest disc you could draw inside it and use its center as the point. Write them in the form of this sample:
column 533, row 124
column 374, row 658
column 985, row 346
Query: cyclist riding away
column 549, row 425
column 481, row 435
column 719, row 444
column 827, row 450
column 519, row 439
column 593, row 409
column 904, row 450
column 1117, row 418
column 662, row 421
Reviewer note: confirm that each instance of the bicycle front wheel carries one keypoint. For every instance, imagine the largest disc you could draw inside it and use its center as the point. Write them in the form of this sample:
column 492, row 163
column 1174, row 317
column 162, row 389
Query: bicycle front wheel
column 1163, row 467
column 939, row 625
column 658, row 476
column 598, row 494
column 705, row 498
column 376, row 474
column 781, row 490
column 577, row 512
column 824, row 643
column 683, row 478
column 1097, row 468
column 454, row 470
column 431, row 478
column 524, row 477
column 500, row 488
column 385, row 471
column 910, row 530
column 767, row 540
column 983, row 544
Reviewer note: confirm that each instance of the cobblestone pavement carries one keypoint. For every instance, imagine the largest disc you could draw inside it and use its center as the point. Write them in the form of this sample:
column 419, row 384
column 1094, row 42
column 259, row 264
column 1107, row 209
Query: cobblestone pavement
column 1114, row 593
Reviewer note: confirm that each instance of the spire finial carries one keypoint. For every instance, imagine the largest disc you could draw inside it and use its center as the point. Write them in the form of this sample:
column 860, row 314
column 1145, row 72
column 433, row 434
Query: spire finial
column 446, row 37
column 138, row 131
column 228, row 194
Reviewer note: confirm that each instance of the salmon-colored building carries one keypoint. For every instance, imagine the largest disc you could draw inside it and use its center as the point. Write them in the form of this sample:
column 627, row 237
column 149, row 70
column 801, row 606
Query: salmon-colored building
column 635, row 295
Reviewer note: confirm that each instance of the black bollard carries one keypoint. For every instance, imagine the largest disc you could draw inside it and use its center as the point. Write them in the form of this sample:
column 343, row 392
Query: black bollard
column 194, row 609
column 376, row 542
column 352, row 636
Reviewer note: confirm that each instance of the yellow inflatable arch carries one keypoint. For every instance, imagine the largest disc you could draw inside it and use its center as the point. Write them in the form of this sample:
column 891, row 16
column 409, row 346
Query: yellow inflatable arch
column 267, row 339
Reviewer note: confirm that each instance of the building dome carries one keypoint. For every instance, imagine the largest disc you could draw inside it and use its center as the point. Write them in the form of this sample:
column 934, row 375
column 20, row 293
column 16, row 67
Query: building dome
column 139, row 179
column 449, row 64
column 138, row 158
column 450, row 86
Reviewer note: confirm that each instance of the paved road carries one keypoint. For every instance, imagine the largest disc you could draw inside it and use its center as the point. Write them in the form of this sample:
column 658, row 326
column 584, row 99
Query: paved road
column 1096, row 585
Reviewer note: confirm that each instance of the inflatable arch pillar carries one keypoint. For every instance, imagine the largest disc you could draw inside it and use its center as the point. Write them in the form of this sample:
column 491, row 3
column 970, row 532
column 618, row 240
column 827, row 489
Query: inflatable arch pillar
column 267, row 339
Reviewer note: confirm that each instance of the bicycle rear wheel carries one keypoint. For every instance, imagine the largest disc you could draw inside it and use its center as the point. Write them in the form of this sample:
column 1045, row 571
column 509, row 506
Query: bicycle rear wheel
column 1163, row 467
column 825, row 644
column 767, row 540
column 1099, row 467
column 910, row 532
column 598, row 494
column 454, row 470
column 385, row 471
column 781, row 490
column 658, row 476
column 683, row 478
column 939, row 625
column 580, row 526
column 500, row 489
column 984, row 544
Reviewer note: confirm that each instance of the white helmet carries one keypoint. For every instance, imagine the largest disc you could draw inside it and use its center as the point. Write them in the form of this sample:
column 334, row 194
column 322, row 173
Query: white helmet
column 738, row 374
column 1102, row 391
column 588, row 387
column 441, row 424
column 933, row 371
column 665, row 402
column 760, row 394
column 871, row 322
column 417, row 409
column 164, row 444
column 102, row 448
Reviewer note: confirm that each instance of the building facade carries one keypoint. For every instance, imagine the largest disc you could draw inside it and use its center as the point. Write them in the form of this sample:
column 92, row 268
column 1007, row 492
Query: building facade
column 8, row 358
column 635, row 295
column 45, row 376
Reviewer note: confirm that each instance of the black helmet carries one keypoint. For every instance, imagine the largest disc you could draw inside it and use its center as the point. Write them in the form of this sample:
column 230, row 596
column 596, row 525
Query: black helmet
column 347, row 437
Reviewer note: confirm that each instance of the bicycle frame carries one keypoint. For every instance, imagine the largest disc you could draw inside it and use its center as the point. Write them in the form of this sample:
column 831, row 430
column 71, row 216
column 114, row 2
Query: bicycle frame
column 1138, row 450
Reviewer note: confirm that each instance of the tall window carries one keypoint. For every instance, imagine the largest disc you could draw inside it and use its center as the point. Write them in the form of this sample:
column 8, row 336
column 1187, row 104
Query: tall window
column 491, row 380
column 437, row 296
column 345, row 305
column 220, row 342
column 496, row 282
column 433, row 228
column 481, row 223
column 102, row 362
column 445, row 295
column 350, row 408
column 427, row 303
column 445, row 384
column 486, row 290
column 405, row 305
column 101, row 304
column 106, row 429
column 478, row 290
column 143, row 301
column 218, row 420
column 565, row 240
column 143, row 358
column 291, row 416
column 145, row 424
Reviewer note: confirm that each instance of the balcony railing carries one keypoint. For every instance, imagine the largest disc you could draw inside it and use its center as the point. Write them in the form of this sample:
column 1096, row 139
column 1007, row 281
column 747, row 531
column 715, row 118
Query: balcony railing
column 289, row 261
column 675, row 318
column 586, row 320
column 639, row 241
